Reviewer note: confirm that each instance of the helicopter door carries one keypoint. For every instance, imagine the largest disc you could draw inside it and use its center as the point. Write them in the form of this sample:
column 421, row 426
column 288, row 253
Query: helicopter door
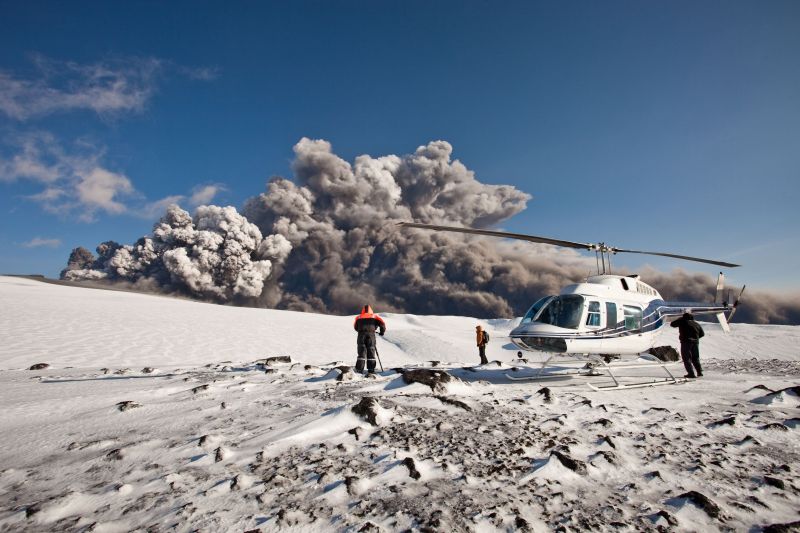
column 594, row 323
column 594, row 319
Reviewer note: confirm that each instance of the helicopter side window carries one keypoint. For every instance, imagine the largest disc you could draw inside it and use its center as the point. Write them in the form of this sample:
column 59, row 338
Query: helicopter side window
column 563, row 311
column 530, row 316
column 611, row 314
column 593, row 317
column 633, row 317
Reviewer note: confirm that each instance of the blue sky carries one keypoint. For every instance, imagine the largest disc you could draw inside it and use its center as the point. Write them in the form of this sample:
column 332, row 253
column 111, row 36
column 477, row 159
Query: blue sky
column 664, row 126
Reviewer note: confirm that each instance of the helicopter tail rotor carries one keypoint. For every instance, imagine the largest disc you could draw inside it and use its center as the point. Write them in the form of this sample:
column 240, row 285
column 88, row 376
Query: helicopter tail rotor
column 736, row 303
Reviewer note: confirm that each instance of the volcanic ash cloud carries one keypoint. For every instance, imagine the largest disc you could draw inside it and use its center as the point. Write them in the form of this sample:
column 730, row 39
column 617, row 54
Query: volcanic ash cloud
column 347, row 250
column 216, row 255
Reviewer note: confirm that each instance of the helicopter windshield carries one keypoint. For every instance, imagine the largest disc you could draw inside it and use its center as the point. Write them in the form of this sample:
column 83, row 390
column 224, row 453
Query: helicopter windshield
column 530, row 316
column 562, row 311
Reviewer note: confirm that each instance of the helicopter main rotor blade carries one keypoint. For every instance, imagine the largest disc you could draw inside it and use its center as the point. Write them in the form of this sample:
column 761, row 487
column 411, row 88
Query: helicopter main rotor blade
column 686, row 257
column 558, row 242
column 502, row 234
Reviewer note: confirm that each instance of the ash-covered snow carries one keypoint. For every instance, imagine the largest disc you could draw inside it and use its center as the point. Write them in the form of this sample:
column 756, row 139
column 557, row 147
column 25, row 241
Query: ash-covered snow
column 209, row 438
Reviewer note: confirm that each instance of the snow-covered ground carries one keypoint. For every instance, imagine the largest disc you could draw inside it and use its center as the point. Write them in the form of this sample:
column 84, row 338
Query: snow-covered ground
column 154, row 413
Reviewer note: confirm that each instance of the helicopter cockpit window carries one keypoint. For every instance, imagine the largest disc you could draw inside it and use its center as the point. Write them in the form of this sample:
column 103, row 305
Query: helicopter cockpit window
column 633, row 317
column 563, row 311
column 530, row 316
column 593, row 317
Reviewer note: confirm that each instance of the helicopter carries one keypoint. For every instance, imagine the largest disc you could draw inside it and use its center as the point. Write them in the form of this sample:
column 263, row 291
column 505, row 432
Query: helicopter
column 605, row 317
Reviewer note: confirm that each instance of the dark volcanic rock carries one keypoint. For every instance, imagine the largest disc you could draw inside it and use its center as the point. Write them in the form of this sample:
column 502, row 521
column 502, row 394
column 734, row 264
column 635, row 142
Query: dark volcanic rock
column 277, row 359
column 349, row 481
column 671, row 520
column 521, row 524
column 665, row 353
column 775, row 482
column 357, row 432
column 702, row 501
column 579, row 467
column 793, row 391
column 546, row 393
column 115, row 454
column 610, row 442
column 730, row 421
column 451, row 401
column 775, row 425
column 759, row 387
column 435, row 379
column 611, row 457
column 127, row 404
column 367, row 409
column 790, row 527
column 39, row 366
column 345, row 373
column 32, row 509
column 408, row 462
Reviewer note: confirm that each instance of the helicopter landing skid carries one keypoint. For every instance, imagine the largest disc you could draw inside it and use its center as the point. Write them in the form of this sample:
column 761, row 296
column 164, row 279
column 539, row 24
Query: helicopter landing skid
column 598, row 366
column 609, row 368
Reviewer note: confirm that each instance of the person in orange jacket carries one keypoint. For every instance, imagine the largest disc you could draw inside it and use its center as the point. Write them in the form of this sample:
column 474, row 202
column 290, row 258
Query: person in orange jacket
column 365, row 324
column 482, row 339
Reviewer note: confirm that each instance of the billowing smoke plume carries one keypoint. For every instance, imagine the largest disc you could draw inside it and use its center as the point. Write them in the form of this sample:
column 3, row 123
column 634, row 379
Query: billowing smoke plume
column 217, row 255
column 334, row 245
column 347, row 249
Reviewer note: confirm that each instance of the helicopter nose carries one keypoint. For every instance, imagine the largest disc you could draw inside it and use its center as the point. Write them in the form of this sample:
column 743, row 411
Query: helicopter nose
column 540, row 343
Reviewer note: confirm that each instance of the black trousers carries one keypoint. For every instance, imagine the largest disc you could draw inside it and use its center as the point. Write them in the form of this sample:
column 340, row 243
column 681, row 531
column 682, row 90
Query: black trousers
column 482, row 354
column 366, row 351
column 690, row 353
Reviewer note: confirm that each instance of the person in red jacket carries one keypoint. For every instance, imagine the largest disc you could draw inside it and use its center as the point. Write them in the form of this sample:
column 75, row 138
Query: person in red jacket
column 365, row 324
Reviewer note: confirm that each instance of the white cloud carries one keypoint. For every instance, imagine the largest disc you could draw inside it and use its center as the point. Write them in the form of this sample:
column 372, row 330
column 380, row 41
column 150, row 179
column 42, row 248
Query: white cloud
column 36, row 159
column 39, row 242
column 75, row 181
column 200, row 73
column 99, row 188
column 105, row 88
column 203, row 194
column 109, row 87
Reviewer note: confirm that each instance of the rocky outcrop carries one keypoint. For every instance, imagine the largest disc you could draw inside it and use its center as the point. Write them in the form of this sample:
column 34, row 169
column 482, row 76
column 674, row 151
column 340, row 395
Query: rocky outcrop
column 435, row 379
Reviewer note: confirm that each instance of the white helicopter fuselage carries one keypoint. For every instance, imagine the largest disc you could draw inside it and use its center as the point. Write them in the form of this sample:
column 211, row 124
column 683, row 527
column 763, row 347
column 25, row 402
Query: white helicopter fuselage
column 606, row 314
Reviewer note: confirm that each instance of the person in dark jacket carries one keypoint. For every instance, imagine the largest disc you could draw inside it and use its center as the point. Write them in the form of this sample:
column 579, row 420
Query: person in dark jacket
column 365, row 324
column 690, row 333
